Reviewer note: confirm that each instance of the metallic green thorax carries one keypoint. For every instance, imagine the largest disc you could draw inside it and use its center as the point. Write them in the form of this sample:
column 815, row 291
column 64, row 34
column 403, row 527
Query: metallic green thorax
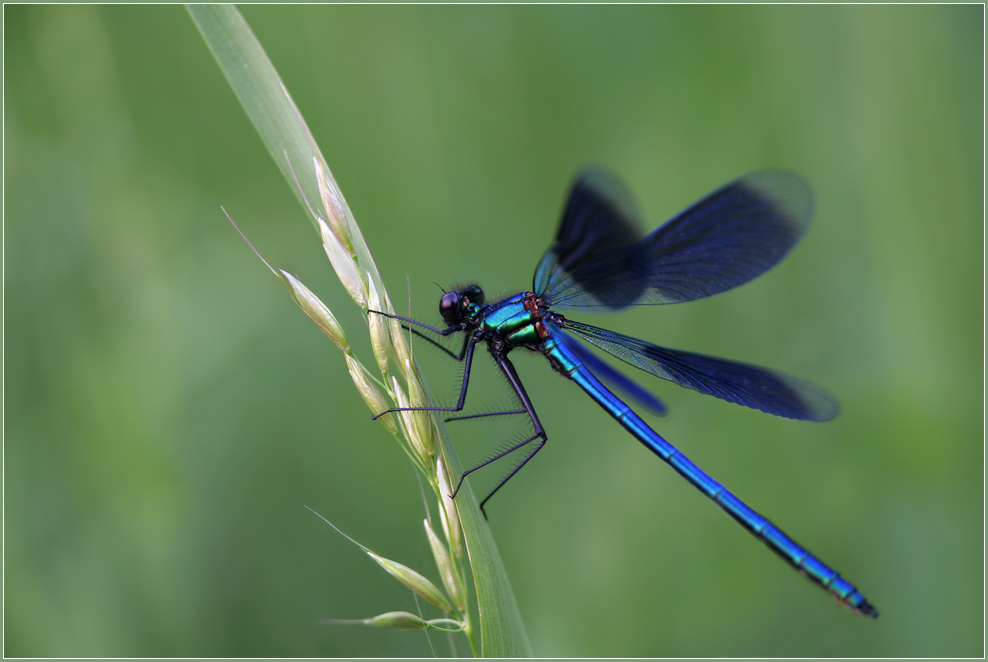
column 517, row 320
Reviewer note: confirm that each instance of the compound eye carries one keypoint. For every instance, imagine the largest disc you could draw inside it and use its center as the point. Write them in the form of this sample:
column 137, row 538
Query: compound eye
column 475, row 294
column 449, row 307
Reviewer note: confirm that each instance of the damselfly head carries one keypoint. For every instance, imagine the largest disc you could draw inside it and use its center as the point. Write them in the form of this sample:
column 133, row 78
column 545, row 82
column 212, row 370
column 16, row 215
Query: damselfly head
column 453, row 304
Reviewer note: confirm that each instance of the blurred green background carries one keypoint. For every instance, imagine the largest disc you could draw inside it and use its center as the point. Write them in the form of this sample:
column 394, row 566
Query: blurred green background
column 170, row 409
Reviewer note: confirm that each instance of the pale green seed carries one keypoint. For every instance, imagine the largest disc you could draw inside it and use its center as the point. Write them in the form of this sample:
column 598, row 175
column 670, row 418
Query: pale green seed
column 401, row 620
column 408, row 424
column 413, row 580
column 422, row 419
column 447, row 570
column 450, row 517
column 378, row 325
column 317, row 311
column 343, row 264
column 368, row 391
column 410, row 578
column 332, row 202
column 398, row 343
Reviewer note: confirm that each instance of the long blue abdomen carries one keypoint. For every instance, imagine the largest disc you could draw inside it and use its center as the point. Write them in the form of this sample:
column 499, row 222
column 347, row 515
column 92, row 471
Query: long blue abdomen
column 566, row 362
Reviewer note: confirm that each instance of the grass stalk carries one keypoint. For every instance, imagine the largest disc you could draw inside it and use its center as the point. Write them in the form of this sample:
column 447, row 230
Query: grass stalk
column 466, row 543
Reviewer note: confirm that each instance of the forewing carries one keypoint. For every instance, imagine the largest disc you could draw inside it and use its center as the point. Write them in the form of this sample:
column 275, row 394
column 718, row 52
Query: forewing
column 759, row 388
column 598, row 229
column 733, row 235
column 729, row 237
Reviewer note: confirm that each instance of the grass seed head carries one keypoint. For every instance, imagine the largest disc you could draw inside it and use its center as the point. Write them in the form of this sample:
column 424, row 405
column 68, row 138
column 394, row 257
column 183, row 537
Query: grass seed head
column 333, row 205
column 413, row 580
column 447, row 569
column 380, row 338
column 449, row 516
column 368, row 391
column 343, row 265
column 317, row 311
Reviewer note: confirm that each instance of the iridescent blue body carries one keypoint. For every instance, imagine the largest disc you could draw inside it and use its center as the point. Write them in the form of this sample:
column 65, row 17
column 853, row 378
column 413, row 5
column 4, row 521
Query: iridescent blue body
column 598, row 261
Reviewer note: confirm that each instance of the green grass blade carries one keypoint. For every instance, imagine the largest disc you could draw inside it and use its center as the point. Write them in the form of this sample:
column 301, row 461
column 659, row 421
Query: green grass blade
column 284, row 132
column 260, row 91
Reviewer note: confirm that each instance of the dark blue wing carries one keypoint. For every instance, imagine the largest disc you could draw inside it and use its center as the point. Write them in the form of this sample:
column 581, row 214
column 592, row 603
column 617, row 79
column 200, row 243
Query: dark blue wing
column 608, row 374
column 599, row 225
column 733, row 235
column 758, row 388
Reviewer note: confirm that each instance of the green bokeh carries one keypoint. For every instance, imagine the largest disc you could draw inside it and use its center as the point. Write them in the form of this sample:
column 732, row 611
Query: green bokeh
column 170, row 410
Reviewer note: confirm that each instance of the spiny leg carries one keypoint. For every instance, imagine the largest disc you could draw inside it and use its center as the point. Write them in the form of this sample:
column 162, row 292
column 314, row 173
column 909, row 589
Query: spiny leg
column 470, row 343
column 542, row 439
column 508, row 369
column 506, row 412
column 457, row 356
column 442, row 332
column 467, row 363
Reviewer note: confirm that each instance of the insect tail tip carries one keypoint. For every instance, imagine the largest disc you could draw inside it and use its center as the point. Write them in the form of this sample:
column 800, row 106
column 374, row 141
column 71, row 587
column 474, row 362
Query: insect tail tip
column 867, row 609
